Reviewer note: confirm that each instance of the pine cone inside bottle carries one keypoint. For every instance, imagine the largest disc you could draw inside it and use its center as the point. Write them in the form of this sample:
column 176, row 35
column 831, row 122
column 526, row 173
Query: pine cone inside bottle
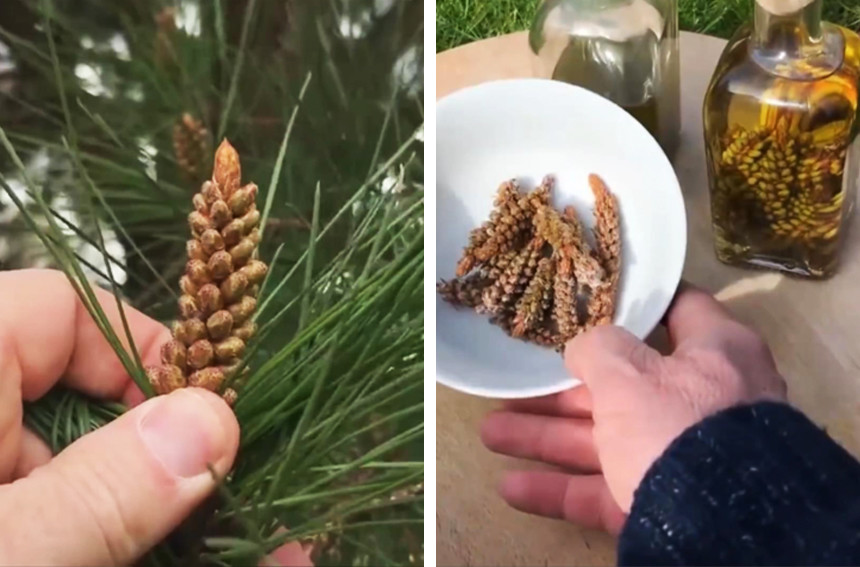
column 219, row 286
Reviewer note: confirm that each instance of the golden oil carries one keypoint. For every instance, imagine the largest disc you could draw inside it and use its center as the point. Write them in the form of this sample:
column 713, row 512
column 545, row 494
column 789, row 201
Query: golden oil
column 781, row 142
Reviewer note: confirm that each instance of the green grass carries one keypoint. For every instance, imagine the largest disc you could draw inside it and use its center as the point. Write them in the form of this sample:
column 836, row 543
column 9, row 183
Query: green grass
column 463, row 21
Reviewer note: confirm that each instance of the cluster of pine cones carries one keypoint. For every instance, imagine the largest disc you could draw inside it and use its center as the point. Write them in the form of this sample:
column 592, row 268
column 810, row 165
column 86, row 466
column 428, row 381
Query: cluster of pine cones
column 219, row 287
column 532, row 271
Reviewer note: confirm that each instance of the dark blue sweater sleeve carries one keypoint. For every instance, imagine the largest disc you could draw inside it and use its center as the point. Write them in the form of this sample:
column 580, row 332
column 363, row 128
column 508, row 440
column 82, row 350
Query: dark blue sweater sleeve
column 752, row 485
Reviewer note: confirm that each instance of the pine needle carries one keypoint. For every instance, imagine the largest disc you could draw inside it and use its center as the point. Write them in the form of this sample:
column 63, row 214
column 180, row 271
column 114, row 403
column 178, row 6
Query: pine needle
column 282, row 152
column 309, row 264
column 237, row 70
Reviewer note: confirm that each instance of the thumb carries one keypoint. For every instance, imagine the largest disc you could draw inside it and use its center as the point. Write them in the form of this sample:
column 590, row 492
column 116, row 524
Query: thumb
column 118, row 491
column 608, row 357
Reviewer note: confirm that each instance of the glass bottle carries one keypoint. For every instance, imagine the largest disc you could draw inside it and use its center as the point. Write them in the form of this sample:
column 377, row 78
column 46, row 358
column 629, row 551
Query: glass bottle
column 624, row 50
column 781, row 140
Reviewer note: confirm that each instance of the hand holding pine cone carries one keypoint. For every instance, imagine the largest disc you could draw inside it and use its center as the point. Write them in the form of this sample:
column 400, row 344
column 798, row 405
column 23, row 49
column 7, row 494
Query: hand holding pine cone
column 531, row 268
column 219, row 286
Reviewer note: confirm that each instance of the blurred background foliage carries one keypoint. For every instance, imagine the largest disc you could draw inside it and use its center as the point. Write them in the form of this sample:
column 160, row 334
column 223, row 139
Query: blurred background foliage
column 150, row 87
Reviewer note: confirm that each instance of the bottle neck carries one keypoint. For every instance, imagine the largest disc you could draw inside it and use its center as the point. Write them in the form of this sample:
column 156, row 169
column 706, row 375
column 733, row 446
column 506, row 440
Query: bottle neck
column 788, row 29
column 791, row 41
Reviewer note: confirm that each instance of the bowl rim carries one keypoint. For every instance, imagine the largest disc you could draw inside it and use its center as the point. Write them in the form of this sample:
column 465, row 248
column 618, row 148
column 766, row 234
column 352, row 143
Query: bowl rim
column 676, row 271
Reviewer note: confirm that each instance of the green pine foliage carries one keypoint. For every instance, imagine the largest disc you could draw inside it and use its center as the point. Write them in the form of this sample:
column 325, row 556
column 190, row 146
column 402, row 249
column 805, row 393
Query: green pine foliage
column 323, row 102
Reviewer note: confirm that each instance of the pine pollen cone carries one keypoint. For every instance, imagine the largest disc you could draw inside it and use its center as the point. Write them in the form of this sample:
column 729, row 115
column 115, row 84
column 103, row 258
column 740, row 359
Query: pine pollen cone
column 219, row 286
column 532, row 270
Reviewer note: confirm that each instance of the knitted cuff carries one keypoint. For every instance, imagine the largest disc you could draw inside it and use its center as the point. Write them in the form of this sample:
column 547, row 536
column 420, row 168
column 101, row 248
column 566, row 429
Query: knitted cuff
column 752, row 485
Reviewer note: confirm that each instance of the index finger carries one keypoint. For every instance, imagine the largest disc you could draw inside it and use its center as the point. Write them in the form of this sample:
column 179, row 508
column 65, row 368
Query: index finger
column 694, row 316
column 575, row 402
column 52, row 336
column 46, row 335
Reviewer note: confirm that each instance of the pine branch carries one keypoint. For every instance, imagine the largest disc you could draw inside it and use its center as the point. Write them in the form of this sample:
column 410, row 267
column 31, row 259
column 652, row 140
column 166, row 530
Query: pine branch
column 331, row 411
column 63, row 416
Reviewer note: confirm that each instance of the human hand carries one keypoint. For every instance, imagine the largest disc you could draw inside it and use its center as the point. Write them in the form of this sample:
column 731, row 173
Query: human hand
column 633, row 404
column 113, row 494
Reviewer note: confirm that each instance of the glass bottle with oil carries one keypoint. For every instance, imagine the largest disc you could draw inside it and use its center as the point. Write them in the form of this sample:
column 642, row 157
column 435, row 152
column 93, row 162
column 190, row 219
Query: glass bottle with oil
column 781, row 140
column 624, row 50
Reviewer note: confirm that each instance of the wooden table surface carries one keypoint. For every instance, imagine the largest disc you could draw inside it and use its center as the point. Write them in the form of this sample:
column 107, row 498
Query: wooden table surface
column 812, row 327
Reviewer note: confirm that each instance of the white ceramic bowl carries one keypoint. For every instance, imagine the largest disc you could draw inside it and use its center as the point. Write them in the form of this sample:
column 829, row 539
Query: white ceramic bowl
column 525, row 129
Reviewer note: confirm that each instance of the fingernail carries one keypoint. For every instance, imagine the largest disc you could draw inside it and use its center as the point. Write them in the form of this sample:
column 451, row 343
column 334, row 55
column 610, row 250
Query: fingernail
column 183, row 432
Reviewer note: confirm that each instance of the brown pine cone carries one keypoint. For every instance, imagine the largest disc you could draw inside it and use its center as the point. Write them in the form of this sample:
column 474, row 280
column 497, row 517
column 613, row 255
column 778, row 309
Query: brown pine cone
column 607, row 231
column 496, row 266
column 191, row 147
column 506, row 195
column 540, row 336
column 164, row 48
column 566, row 237
column 541, row 196
column 564, row 301
column 535, row 273
column 536, row 298
column 506, row 290
column 510, row 228
column 465, row 292
column 219, row 286
column 545, row 338
column 607, row 234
